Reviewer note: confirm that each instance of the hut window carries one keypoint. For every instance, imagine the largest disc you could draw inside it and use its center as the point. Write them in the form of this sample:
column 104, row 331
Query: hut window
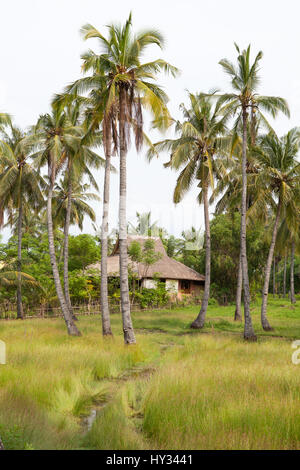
column 185, row 285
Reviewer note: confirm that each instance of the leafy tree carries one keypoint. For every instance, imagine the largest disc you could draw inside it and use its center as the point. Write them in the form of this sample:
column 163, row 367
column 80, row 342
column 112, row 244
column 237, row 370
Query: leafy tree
column 83, row 250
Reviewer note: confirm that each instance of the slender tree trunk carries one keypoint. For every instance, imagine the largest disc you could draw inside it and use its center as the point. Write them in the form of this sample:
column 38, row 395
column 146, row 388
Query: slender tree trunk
column 248, row 329
column 129, row 336
column 66, row 244
column 20, row 313
column 1, row 444
column 239, row 287
column 264, row 321
column 72, row 329
column 274, row 278
column 284, row 277
column 292, row 280
column 200, row 320
column 105, row 315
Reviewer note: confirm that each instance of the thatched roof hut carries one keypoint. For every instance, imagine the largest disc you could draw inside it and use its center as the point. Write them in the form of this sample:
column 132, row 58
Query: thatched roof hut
column 178, row 277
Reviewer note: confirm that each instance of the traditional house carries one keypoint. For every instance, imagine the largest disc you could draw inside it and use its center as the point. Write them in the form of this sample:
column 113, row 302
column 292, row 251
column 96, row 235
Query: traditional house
column 179, row 279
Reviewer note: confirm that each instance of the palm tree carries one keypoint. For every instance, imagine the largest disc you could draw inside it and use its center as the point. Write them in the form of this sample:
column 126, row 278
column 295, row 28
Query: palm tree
column 201, row 137
column 79, row 162
column 79, row 202
column 245, row 81
column 229, row 186
column 278, row 180
column 33, row 223
column 292, row 273
column 126, row 86
column 95, row 116
column 288, row 240
column 20, row 184
column 70, row 208
column 56, row 137
column 144, row 226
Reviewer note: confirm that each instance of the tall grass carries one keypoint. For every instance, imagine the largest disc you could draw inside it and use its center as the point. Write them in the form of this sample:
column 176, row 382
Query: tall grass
column 210, row 389
column 54, row 379
column 218, row 393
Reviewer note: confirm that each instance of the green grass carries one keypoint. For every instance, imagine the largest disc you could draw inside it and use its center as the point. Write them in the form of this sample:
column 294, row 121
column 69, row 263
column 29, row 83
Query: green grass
column 178, row 388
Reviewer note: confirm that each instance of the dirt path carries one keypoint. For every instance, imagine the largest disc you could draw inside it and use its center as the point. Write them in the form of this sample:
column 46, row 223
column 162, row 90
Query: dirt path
column 130, row 375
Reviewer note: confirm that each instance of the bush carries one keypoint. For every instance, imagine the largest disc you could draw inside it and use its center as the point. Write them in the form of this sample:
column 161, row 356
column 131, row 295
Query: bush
column 152, row 297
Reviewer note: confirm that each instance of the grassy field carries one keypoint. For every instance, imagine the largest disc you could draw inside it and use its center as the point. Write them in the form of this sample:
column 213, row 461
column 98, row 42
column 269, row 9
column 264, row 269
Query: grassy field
column 176, row 389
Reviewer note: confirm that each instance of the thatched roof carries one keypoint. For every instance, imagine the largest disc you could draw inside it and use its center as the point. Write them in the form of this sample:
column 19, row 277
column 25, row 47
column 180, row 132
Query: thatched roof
column 165, row 268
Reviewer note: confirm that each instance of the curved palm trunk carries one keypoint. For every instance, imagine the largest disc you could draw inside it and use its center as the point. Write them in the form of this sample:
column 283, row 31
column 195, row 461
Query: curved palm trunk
column 292, row 280
column 239, row 287
column 72, row 329
column 106, row 327
column 129, row 336
column 248, row 329
column 284, row 277
column 20, row 313
column 264, row 321
column 66, row 246
column 274, row 278
column 200, row 320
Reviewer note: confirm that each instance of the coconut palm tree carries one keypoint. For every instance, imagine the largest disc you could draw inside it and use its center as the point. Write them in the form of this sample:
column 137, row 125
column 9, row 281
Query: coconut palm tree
column 33, row 223
column 144, row 225
column 127, row 86
column 245, row 81
column 79, row 161
column 97, row 116
column 20, row 185
column 70, row 208
column 288, row 240
column 229, row 186
column 278, row 183
column 56, row 138
column 201, row 138
column 79, row 202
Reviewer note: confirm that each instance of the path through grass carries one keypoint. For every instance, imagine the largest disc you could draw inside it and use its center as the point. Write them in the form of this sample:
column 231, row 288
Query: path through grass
column 203, row 390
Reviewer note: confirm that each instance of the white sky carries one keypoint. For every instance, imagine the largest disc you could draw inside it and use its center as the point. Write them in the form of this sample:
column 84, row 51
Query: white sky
column 40, row 53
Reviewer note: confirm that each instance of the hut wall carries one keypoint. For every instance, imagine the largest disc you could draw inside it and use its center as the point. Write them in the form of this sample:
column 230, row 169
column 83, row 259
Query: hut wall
column 149, row 283
column 196, row 288
column 172, row 286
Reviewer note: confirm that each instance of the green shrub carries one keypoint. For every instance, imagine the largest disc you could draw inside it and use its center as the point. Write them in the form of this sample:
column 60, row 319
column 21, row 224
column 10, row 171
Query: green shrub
column 152, row 297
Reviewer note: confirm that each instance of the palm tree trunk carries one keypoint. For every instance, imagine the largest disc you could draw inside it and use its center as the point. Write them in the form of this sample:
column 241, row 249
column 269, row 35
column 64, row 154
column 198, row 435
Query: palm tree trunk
column 72, row 329
column 264, row 321
column 274, row 278
column 284, row 277
column 248, row 329
column 106, row 326
column 129, row 336
column 239, row 287
column 292, row 280
column 200, row 320
column 20, row 313
column 66, row 244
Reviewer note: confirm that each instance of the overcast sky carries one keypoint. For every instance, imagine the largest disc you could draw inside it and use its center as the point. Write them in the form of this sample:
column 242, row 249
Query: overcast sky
column 40, row 50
